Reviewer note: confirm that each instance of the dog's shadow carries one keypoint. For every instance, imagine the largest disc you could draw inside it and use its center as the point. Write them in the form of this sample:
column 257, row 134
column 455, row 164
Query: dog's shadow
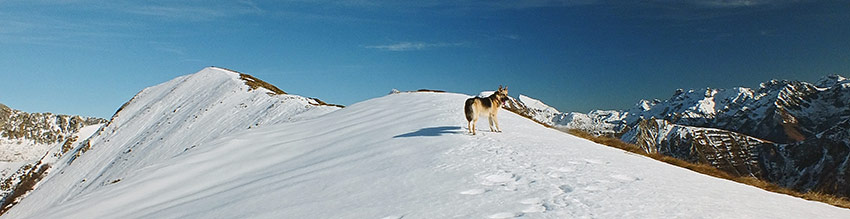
column 432, row 131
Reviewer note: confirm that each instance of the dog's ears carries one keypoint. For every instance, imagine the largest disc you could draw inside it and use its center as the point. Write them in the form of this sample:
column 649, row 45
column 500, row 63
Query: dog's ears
column 500, row 87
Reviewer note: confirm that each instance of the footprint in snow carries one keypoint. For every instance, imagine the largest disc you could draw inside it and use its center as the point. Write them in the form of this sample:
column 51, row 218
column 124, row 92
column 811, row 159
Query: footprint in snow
column 473, row 192
column 535, row 205
column 537, row 208
column 505, row 215
column 565, row 188
column 594, row 161
column 564, row 169
column 625, row 178
column 499, row 179
column 593, row 188
column 531, row 201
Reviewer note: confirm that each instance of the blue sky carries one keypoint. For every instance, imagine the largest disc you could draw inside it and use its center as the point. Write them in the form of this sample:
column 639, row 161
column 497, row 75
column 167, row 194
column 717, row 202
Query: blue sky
column 88, row 57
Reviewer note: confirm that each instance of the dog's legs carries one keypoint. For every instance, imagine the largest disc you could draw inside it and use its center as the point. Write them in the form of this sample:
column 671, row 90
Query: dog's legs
column 472, row 124
column 496, row 121
column 472, row 127
column 490, row 122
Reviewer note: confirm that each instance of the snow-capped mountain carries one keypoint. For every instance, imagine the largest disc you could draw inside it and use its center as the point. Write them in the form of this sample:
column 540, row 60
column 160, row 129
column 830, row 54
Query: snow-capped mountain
column 735, row 153
column 26, row 136
column 165, row 121
column 407, row 155
column 791, row 130
column 29, row 140
column 600, row 122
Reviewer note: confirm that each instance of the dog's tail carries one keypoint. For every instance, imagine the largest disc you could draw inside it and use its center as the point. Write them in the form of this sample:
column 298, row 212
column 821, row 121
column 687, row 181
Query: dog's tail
column 467, row 108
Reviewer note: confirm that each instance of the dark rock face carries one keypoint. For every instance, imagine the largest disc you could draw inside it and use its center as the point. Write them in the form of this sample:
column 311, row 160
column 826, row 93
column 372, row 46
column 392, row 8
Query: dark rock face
column 729, row 151
column 818, row 164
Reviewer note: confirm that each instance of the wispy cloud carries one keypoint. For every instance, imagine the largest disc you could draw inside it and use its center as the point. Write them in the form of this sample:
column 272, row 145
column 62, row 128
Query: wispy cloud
column 192, row 11
column 412, row 46
column 56, row 31
column 739, row 3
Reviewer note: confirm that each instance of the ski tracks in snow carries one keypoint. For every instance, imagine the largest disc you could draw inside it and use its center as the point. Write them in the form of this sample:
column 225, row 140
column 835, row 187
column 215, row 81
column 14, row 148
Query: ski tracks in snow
column 530, row 181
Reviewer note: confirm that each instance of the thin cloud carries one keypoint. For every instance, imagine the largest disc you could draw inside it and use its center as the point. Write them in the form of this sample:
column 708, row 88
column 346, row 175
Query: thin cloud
column 193, row 11
column 412, row 46
column 740, row 3
column 722, row 4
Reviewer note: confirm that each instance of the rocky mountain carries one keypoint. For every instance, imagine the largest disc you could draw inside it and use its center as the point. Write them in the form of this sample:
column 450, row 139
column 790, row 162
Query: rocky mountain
column 165, row 121
column 27, row 140
column 729, row 151
column 792, row 133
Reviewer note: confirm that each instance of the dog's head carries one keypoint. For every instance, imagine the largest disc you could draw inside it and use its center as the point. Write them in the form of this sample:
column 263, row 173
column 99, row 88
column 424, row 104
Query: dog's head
column 502, row 94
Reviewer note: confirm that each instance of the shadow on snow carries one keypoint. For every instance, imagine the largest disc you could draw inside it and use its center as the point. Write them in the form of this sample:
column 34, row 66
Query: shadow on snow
column 432, row 131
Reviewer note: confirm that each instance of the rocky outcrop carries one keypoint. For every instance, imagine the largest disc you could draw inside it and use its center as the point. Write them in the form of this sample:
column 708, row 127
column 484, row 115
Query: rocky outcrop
column 28, row 141
column 735, row 153
column 791, row 133
column 819, row 164
column 40, row 128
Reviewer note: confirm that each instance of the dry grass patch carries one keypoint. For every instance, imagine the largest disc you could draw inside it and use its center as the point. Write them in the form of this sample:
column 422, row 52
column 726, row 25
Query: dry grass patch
column 323, row 103
column 712, row 171
column 254, row 83
column 28, row 182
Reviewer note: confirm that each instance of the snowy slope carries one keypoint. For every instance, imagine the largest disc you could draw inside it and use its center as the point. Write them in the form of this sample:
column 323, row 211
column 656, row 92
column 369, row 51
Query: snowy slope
column 162, row 122
column 30, row 140
column 407, row 155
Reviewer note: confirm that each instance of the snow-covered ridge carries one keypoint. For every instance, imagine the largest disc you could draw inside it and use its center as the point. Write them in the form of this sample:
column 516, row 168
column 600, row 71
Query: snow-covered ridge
column 164, row 121
column 406, row 155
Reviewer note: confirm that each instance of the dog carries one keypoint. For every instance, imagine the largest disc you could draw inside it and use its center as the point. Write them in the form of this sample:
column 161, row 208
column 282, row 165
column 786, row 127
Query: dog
column 490, row 105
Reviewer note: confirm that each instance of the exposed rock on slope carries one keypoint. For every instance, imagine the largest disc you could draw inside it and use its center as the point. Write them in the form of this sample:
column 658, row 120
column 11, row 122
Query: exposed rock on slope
column 794, row 131
column 29, row 140
column 732, row 152
column 165, row 121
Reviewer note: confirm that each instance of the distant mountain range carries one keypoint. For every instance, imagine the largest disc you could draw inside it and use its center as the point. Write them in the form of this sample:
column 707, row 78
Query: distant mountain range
column 29, row 140
column 792, row 133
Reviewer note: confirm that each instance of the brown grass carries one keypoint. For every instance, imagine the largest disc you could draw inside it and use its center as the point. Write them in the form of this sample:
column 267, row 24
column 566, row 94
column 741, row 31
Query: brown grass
column 254, row 83
column 28, row 182
column 711, row 171
column 68, row 143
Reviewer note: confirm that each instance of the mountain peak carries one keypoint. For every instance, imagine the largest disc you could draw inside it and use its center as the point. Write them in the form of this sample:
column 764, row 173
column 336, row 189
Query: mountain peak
column 249, row 80
column 167, row 120
column 831, row 81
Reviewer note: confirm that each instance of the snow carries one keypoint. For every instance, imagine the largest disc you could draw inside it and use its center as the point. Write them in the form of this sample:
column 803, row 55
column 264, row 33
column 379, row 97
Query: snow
column 15, row 153
column 537, row 104
column 407, row 155
column 162, row 122
column 21, row 150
